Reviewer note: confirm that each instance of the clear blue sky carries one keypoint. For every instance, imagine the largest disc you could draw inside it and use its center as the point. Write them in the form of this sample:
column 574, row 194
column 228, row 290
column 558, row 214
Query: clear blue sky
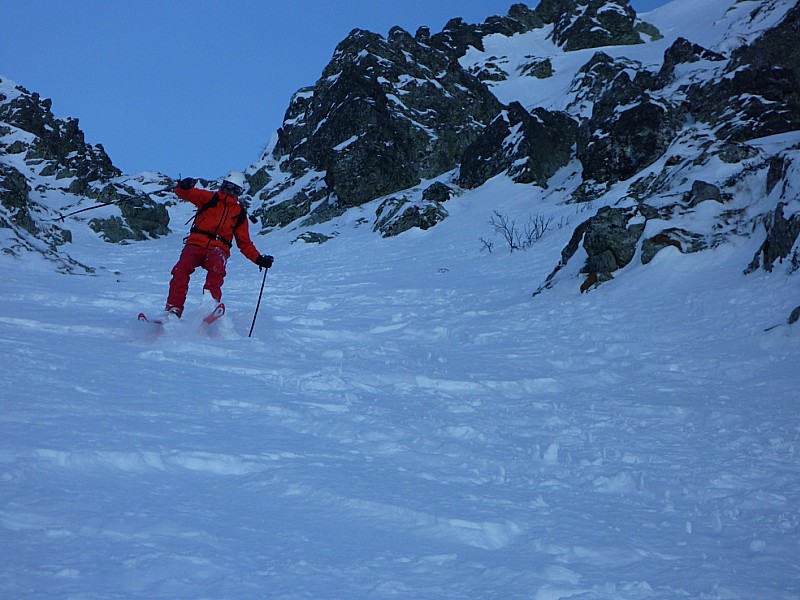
column 194, row 87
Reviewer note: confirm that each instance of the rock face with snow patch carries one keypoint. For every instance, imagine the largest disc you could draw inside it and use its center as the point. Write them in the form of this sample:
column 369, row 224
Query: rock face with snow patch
column 590, row 23
column 42, row 158
column 386, row 114
column 457, row 36
column 782, row 234
column 628, row 127
column 389, row 113
column 609, row 240
column 529, row 147
column 140, row 217
column 714, row 107
column 396, row 215
column 57, row 147
column 758, row 93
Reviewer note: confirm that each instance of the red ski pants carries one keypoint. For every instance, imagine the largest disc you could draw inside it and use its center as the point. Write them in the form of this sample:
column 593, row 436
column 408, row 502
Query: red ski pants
column 213, row 260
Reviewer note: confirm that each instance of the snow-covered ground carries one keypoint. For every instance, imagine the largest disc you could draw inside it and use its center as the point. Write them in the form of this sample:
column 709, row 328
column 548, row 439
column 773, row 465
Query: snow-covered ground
column 405, row 422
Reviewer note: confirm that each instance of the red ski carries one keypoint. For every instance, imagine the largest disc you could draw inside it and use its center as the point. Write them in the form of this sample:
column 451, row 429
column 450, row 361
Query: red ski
column 218, row 311
column 143, row 317
column 159, row 323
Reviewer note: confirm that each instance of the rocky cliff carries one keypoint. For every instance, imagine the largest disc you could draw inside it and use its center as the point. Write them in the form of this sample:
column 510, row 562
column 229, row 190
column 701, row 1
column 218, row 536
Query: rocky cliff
column 700, row 111
column 390, row 114
column 47, row 169
column 550, row 96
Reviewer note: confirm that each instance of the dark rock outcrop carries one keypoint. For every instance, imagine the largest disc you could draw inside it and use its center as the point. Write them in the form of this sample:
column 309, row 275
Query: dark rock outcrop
column 676, row 237
column 609, row 239
column 758, row 94
column 457, row 36
column 53, row 159
column 782, row 234
column 396, row 215
column 390, row 112
column 529, row 147
column 701, row 192
column 17, row 215
column 58, row 141
column 590, row 23
column 628, row 128
column 141, row 217
column 437, row 192
column 15, row 198
column 618, row 144
column 386, row 114
column 682, row 51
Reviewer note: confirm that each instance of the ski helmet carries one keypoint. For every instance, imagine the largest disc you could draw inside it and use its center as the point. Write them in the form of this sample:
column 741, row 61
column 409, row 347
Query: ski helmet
column 236, row 180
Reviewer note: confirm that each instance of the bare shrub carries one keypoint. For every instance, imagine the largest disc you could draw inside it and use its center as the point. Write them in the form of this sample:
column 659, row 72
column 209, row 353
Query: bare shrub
column 515, row 237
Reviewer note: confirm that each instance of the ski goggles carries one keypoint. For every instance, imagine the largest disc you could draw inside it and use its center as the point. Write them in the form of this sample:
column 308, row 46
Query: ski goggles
column 231, row 188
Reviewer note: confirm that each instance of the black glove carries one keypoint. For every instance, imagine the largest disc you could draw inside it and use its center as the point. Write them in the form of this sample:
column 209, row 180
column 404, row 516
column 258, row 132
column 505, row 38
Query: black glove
column 264, row 261
column 187, row 183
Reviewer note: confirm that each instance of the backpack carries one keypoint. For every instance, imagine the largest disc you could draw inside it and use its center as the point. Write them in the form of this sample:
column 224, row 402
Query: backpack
column 211, row 204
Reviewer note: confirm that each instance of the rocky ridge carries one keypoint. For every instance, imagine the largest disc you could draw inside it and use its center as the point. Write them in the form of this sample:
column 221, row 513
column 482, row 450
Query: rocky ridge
column 47, row 170
column 630, row 135
column 390, row 115
column 700, row 109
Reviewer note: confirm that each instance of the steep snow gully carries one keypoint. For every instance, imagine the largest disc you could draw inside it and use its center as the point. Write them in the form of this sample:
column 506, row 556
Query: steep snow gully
column 408, row 420
column 407, row 424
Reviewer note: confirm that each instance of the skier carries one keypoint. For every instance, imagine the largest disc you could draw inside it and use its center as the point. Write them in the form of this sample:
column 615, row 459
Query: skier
column 220, row 220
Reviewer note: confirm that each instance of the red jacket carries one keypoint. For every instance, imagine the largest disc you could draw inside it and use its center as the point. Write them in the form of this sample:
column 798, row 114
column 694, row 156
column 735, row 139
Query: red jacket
column 218, row 224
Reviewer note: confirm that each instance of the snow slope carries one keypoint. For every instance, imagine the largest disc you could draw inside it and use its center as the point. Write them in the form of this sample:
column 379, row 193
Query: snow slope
column 406, row 422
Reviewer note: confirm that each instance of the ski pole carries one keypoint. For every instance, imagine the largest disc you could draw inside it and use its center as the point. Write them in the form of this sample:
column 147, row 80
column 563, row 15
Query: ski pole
column 62, row 217
column 263, row 281
column 75, row 212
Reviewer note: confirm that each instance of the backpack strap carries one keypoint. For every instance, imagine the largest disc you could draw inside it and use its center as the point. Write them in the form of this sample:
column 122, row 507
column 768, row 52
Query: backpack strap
column 210, row 204
column 213, row 236
column 240, row 218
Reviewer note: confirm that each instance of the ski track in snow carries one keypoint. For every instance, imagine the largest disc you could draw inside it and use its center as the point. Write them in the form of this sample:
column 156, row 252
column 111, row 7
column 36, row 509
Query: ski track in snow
column 395, row 429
